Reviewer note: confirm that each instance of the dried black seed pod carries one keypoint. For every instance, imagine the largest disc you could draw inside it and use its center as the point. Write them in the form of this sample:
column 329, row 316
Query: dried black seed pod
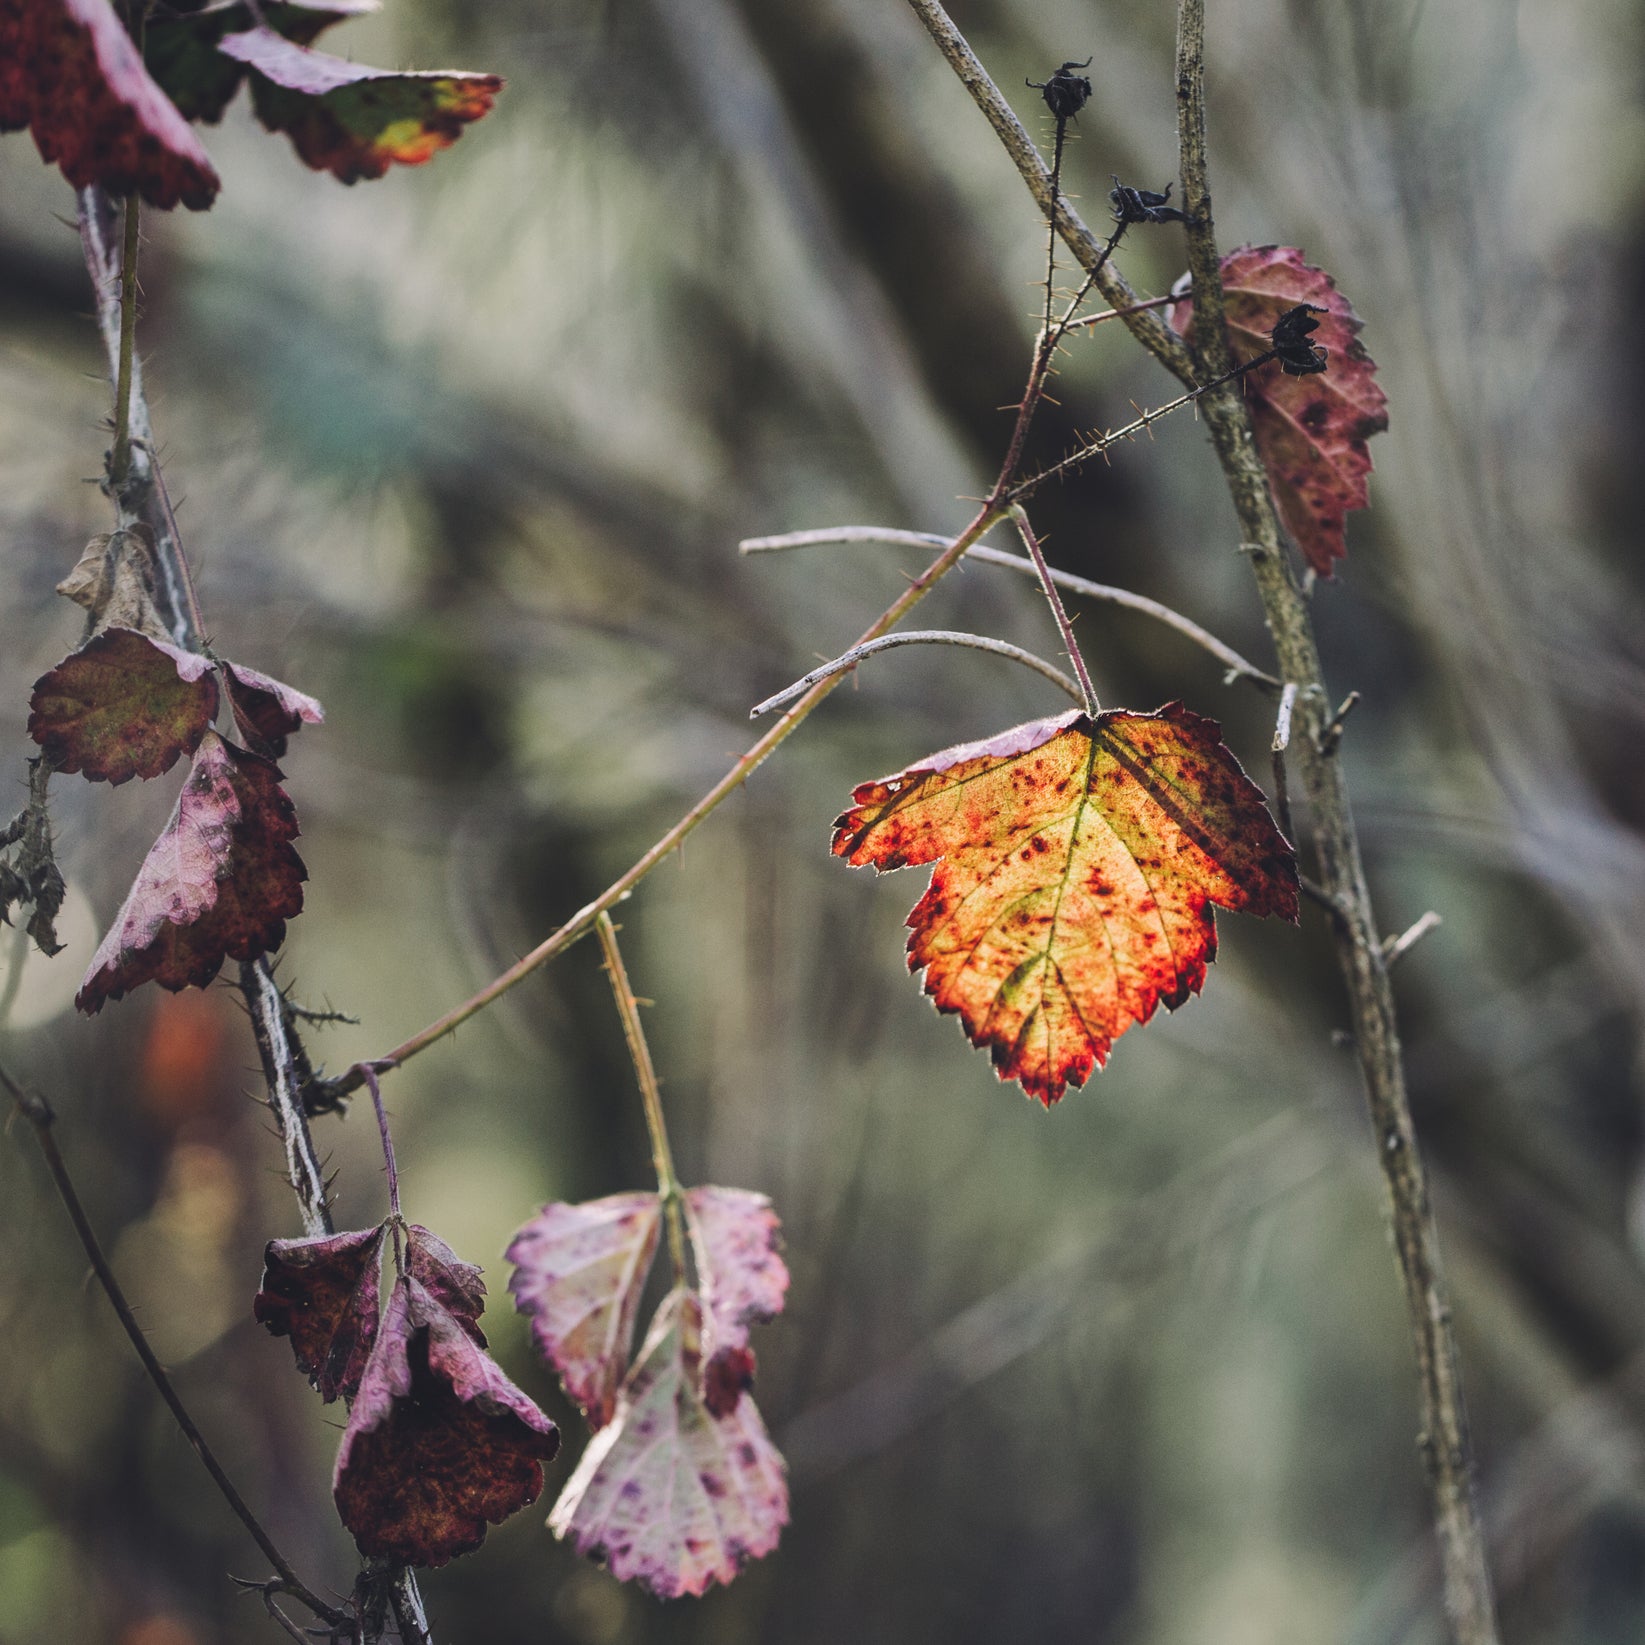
column 1297, row 356
column 1143, row 205
column 1066, row 92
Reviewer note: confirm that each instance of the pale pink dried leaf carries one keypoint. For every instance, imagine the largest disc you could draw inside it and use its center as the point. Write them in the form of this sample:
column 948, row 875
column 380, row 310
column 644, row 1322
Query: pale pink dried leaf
column 736, row 1241
column 579, row 1271
column 667, row 1494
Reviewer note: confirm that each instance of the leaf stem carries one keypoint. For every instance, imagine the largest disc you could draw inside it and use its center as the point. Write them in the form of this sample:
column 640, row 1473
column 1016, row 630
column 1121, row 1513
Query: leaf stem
column 42, row 1119
column 1444, row 1443
column 1019, row 516
column 918, row 636
column 583, row 920
column 662, row 1156
column 368, row 1072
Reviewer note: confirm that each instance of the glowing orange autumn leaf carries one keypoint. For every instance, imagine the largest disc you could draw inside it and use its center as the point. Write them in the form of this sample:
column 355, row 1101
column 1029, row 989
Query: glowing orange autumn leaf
column 1078, row 862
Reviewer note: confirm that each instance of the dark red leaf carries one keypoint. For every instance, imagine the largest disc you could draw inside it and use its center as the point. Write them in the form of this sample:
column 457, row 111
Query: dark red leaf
column 668, row 1494
column 578, row 1276
column 69, row 71
column 322, row 1293
column 736, row 1239
column 123, row 706
column 1078, row 861
column 439, row 1443
column 181, row 47
column 355, row 121
column 220, row 882
column 266, row 710
column 1311, row 430
column 454, row 1284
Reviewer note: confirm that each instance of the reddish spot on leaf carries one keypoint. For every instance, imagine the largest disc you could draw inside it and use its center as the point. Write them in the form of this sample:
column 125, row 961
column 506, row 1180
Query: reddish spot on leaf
column 322, row 1293
column 668, row 1494
column 1077, row 865
column 69, row 72
column 735, row 1240
column 454, row 1284
column 1312, row 430
column 579, row 1271
column 439, row 1444
column 351, row 120
column 266, row 710
column 181, row 47
column 123, row 706
column 220, row 882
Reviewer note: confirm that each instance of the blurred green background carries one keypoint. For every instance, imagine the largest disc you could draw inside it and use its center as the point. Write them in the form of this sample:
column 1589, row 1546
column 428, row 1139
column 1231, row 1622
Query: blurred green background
column 467, row 452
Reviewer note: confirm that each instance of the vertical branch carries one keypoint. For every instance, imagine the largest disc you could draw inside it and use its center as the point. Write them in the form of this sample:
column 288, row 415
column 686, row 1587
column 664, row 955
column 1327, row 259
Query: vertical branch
column 662, row 1156
column 141, row 496
column 1444, row 1441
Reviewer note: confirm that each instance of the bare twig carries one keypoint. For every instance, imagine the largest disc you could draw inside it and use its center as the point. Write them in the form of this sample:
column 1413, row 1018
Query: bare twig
column 1120, row 313
column 662, row 1156
column 1331, row 737
column 38, row 1112
column 1394, row 949
column 1019, row 517
column 1444, row 1442
column 917, row 636
column 1239, row 667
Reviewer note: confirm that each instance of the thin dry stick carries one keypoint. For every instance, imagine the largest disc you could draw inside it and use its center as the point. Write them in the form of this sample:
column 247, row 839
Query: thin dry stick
column 662, row 1156
column 1238, row 667
column 142, row 498
column 1444, row 1441
column 39, row 1113
column 918, row 636
column 1019, row 517
column 1120, row 313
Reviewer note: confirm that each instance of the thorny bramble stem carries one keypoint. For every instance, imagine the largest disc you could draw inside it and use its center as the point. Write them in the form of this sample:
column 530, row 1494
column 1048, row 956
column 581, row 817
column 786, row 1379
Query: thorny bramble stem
column 38, row 1112
column 583, row 920
column 662, row 1156
column 142, row 497
column 1019, row 516
column 120, row 452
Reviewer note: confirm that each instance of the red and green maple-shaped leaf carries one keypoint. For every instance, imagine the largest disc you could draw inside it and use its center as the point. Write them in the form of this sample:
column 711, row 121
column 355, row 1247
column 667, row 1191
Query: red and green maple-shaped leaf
column 668, row 1494
column 579, row 1271
column 351, row 120
column 1310, row 430
column 180, row 46
column 454, row 1284
column 69, row 72
column 123, row 706
column 220, row 882
column 1078, row 861
column 736, row 1241
column 322, row 1293
column 439, row 1443
column 267, row 710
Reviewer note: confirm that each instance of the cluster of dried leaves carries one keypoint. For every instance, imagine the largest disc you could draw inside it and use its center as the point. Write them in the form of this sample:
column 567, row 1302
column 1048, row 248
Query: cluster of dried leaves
column 111, row 112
